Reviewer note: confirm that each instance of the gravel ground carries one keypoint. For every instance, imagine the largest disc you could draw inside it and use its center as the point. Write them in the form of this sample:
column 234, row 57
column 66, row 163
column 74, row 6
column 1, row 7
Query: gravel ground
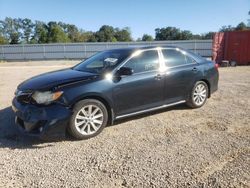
column 175, row 147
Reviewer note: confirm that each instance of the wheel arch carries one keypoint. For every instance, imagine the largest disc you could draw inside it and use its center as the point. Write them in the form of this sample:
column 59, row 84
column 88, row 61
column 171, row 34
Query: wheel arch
column 102, row 99
column 208, row 85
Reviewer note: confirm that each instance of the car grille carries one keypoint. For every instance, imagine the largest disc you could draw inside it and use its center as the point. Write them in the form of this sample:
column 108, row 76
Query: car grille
column 24, row 96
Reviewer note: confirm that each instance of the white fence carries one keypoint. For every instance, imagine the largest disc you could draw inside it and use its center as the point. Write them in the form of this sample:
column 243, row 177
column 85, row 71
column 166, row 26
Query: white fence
column 84, row 50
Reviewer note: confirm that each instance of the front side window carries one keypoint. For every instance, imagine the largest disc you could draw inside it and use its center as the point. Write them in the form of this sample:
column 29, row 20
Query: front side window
column 173, row 57
column 144, row 61
column 102, row 62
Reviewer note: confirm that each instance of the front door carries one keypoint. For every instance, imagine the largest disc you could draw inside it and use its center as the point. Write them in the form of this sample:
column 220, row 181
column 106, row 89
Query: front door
column 144, row 88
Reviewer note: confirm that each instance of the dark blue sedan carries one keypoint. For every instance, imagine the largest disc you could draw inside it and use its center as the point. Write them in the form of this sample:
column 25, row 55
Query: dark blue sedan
column 111, row 85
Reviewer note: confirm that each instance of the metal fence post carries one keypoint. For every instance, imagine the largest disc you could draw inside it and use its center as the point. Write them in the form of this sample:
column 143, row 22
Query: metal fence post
column 44, row 51
column 23, row 51
column 3, row 53
column 85, row 52
column 194, row 46
column 64, row 57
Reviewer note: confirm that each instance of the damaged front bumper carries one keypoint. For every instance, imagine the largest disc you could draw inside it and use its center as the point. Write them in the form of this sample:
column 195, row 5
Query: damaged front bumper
column 41, row 121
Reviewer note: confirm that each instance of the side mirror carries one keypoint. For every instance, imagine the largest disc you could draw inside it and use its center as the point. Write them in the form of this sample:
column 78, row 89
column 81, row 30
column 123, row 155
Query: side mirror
column 125, row 71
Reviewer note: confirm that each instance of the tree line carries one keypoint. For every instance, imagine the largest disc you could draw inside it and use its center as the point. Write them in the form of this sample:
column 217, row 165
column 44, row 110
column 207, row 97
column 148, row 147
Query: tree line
column 25, row 31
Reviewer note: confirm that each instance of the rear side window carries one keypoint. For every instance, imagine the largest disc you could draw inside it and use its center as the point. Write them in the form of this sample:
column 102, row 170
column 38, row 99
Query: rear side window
column 146, row 61
column 174, row 58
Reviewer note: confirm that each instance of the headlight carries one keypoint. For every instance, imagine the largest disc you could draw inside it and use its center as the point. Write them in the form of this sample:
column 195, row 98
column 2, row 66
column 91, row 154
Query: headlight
column 46, row 97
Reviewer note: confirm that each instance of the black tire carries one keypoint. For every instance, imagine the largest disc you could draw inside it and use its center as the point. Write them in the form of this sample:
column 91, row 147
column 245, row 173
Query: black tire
column 72, row 129
column 191, row 100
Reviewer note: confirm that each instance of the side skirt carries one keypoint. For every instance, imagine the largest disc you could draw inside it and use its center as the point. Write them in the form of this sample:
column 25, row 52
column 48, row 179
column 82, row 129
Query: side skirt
column 150, row 109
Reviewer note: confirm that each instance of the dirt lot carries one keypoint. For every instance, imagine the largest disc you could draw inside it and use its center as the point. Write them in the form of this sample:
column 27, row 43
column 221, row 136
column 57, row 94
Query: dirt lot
column 175, row 147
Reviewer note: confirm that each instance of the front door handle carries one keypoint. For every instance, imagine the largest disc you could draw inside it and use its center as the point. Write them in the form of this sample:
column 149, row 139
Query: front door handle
column 158, row 77
column 194, row 69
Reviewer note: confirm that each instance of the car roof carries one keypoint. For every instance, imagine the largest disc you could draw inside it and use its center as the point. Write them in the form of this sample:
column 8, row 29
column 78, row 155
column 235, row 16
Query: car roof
column 132, row 48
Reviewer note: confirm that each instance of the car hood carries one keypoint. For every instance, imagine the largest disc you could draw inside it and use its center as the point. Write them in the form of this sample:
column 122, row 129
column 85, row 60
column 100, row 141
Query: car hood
column 54, row 79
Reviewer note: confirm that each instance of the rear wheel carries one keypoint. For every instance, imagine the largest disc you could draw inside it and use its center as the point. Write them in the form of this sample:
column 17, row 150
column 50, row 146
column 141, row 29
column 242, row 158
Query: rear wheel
column 198, row 95
column 89, row 118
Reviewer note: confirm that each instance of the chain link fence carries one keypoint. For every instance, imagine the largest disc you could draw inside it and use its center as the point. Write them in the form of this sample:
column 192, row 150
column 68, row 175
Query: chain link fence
column 85, row 50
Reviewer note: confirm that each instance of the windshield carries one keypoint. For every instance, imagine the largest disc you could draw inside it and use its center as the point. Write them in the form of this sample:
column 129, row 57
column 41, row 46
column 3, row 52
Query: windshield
column 102, row 62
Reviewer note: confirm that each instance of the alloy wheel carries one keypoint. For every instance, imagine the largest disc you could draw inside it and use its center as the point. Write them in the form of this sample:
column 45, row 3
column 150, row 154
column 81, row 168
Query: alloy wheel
column 89, row 119
column 200, row 94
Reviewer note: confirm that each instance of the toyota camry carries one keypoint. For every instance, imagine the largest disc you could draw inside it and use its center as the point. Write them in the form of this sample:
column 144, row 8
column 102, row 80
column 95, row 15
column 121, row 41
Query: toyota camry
column 111, row 85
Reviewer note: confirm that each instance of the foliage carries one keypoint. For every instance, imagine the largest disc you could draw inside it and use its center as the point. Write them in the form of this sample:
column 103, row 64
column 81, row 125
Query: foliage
column 3, row 40
column 17, row 30
column 40, row 33
column 11, row 30
column 226, row 28
column 56, row 33
column 241, row 27
column 147, row 37
column 172, row 33
column 123, row 35
column 27, row 27
column 105, row 34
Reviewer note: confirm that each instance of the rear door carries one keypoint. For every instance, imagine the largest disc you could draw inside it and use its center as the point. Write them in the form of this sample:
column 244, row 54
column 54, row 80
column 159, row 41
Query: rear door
column 144, row 88
column 180, row 76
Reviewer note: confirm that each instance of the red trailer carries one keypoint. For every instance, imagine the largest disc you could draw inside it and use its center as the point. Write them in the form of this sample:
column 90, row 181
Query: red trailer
column 232, row 46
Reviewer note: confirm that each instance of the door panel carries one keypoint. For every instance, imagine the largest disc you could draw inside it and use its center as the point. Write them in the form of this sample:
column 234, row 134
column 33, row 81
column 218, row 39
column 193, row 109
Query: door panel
column 144, row 88
column 179, row 82
column 180, row 76
column 138, row 92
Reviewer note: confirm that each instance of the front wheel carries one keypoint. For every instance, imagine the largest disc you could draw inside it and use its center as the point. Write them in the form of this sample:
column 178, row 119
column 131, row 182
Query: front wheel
column 89, row 118
column 198, row 95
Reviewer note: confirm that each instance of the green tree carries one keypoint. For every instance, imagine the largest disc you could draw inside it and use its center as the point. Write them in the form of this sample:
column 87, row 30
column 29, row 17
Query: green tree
column 73, row 33
column 123, row 35
column 11, row 29
column 106, row 34
column 27, row 26
column 3, row 40
column 226, row 28
column 185, row 35
column 92, row 38
column 196, row 37
column 168, row 33
column 57, row 35
column 14, row 38
column 208, row 35
column 147, row 37
column 40, row 33
column 86, row 36
column 241, row 27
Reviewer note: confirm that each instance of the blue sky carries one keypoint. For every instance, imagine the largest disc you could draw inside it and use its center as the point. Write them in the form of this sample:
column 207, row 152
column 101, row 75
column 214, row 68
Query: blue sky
column 142, row 16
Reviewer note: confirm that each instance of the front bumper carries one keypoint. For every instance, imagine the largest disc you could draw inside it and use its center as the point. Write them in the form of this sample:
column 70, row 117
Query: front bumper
column 41, row 121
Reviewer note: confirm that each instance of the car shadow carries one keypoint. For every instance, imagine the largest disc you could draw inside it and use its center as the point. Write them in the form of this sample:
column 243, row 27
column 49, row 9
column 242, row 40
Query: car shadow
column 10, row 137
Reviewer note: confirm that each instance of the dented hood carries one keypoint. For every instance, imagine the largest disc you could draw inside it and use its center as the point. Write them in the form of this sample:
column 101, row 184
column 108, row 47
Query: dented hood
column 54, row 79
